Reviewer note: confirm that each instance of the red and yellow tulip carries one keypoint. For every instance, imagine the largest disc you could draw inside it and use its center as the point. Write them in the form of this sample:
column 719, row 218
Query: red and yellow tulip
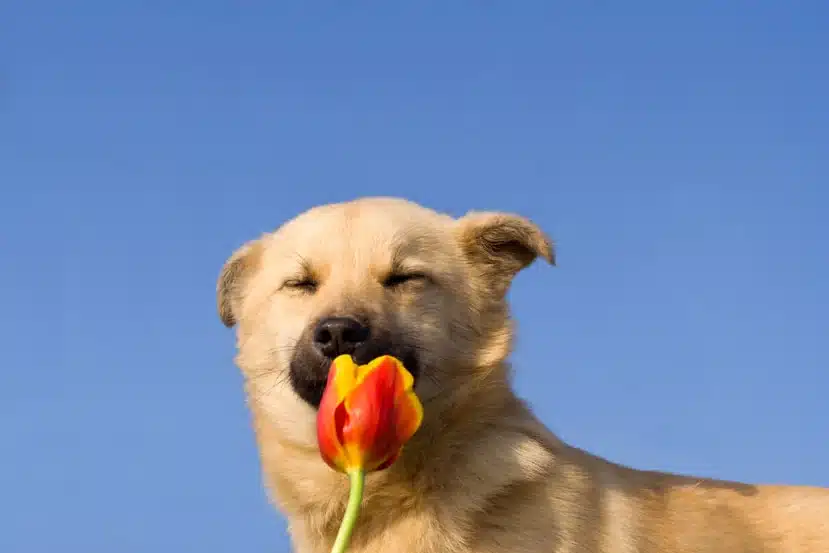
column 367, row 414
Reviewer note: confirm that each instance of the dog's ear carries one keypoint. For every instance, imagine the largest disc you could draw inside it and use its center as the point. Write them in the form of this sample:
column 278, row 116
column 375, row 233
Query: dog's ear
column 235, row 273
column 502, row 243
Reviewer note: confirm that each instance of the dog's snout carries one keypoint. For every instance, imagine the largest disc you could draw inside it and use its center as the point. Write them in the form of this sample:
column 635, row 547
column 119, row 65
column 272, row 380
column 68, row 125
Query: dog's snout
column 339, row 335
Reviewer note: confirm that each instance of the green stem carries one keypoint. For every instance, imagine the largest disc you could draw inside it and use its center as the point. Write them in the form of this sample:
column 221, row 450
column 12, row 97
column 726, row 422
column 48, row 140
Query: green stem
column 357, row 479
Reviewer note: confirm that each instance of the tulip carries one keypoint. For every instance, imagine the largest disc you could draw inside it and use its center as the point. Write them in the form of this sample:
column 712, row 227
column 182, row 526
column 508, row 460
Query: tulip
column 367, row 414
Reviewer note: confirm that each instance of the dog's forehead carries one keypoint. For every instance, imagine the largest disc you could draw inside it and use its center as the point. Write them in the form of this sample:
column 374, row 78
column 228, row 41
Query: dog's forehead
column 370, row 229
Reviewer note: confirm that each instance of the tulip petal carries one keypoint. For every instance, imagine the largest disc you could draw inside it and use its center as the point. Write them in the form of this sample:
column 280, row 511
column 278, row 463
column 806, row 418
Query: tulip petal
column 330, row 445
column 345, row 374
column 331, row 414
column 409, row 410
column 370, row 407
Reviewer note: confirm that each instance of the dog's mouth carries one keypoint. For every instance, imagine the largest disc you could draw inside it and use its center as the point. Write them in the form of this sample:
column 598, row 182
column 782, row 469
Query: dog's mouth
column 309, row 373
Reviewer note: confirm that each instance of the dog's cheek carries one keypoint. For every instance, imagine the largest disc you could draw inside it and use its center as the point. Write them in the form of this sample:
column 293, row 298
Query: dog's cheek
column 264, row 358
column 284, row 326
column 435, row 338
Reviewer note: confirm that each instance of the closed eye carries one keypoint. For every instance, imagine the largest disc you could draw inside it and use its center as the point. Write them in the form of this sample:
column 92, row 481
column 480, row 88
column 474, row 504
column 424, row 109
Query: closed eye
column 301, row 284
column 398, row 279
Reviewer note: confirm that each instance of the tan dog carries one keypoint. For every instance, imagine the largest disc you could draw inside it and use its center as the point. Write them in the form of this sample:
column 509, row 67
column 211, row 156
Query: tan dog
column 482, row 475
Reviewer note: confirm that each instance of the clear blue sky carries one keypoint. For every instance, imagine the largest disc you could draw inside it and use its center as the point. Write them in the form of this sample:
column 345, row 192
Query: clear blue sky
column 678, row 152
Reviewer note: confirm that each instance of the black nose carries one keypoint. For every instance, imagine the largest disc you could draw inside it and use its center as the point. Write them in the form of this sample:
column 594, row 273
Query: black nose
column 339, row 335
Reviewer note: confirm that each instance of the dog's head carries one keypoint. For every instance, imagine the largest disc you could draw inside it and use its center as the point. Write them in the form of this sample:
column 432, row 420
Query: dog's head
column 371, row 277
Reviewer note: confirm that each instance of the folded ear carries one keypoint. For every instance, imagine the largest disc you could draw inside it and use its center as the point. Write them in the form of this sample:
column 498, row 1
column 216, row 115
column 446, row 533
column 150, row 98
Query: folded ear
column 235, row 273
column 502, row 244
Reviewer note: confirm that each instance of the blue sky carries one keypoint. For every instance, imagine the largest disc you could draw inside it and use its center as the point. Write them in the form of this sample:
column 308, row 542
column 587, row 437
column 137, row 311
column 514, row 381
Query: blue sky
column 675, row 150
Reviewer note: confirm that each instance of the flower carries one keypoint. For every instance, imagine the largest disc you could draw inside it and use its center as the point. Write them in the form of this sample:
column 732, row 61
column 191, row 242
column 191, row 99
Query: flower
column 368, row 412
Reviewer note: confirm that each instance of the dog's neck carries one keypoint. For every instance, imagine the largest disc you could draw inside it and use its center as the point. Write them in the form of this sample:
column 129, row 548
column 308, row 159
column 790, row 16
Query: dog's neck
column 433, row 466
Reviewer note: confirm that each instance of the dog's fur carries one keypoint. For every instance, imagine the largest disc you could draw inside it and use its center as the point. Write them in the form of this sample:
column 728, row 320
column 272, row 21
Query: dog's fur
column 482, row 475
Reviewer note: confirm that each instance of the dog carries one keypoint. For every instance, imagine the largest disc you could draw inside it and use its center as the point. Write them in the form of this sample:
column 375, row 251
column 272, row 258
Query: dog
column 377, row 276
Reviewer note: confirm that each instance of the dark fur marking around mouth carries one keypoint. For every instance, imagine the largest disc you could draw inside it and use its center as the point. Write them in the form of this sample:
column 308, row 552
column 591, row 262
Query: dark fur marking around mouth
column 308, row 388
